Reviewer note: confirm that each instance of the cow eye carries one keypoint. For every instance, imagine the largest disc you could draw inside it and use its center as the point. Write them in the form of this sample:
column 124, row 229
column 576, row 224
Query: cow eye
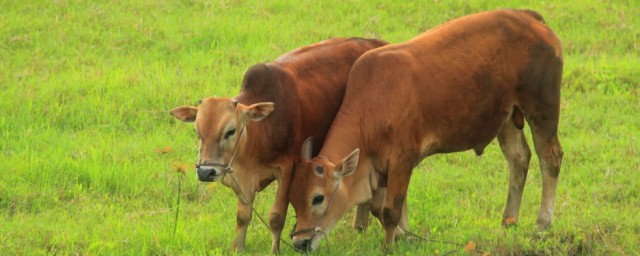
column 318, row 199
column 229, row 133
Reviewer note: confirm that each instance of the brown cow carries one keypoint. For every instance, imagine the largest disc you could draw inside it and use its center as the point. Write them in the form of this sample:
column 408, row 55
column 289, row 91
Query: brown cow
column 306, row 87
column 453, row 88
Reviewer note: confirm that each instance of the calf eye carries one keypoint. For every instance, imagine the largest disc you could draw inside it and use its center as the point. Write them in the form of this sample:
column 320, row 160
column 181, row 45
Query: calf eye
column 229, row 133
column 318, row 199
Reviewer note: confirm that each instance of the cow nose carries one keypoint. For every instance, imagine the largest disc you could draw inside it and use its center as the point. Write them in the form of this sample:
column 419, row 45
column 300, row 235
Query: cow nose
column 206, row 173
column 303, row 245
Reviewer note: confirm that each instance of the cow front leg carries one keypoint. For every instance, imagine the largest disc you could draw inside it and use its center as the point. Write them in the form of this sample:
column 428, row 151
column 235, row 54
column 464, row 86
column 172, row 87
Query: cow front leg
column 394, row 203
column 361, row 219
column 278, row 212
column 404, row 221
column 377, row 204
column 243, row 218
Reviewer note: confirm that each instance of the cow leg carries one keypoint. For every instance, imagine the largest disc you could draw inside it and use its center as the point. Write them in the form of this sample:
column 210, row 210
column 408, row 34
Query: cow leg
column 243, row 218
column 278, row 212
column 394, row 203
column 361, row 219
column 377, row 204
column 514, row 147
column 550, row 154
column 404, row 220
column 539, row 95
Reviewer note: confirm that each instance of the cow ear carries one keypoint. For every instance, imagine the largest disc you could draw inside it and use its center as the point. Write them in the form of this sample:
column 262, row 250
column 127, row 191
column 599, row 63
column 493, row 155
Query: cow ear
column 258, row 111
column 349, row 164
column 307, row 149
column 185, row 114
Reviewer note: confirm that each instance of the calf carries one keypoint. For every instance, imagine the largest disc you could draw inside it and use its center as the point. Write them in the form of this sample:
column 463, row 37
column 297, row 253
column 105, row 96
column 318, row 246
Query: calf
column 294, row 97
column 453, row 88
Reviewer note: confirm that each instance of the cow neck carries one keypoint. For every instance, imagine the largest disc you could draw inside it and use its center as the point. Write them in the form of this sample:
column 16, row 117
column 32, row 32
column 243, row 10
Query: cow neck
column 248, row 145
column 341, row 141
column 343, row 137
column 238, row 165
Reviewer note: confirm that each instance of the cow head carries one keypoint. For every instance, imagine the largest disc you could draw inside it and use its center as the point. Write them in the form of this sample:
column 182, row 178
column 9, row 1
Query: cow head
column 318, row 197
column 218, row 124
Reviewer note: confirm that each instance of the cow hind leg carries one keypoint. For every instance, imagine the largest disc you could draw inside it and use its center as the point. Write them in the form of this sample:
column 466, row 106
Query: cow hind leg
column 540, row 100
column 514, row 147
column 550, row 153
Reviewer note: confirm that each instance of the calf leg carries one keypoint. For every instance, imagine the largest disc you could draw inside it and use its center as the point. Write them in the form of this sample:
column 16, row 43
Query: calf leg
column 514, row 147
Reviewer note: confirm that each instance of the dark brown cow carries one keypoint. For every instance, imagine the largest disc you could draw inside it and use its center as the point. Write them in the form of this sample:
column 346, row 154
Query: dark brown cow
column 298, row 96
column 453, row 88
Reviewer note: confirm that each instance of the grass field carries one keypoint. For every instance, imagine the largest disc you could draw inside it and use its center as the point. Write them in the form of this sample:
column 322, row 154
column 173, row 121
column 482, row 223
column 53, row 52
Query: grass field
column 88, row 151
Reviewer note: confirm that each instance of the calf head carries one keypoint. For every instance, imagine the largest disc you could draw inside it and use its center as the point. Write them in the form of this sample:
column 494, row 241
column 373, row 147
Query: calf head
column 218, row 124
column 318, row 197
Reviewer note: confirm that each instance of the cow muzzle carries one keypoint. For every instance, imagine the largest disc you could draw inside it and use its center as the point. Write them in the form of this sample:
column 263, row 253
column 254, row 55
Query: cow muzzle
column 305, row 240
column 303, row 245
column 209, row 172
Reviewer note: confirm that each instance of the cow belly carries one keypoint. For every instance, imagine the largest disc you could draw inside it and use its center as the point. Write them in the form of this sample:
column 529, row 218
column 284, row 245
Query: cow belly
column 475, row 132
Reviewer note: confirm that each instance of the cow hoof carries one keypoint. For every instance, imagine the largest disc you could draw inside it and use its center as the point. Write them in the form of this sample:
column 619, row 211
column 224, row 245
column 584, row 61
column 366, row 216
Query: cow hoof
column 236, row 249
column 543, row 225
column 400, row 234
column 510, row 223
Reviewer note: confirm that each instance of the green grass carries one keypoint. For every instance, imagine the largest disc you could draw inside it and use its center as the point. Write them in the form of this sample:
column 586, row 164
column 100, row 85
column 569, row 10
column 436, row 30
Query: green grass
column 86, row 87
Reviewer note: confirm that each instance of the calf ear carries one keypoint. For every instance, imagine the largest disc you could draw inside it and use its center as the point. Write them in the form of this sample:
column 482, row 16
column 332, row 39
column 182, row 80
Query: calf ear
column 349, row 164
column 185, row 114
column 307, row 149
column 258, row 111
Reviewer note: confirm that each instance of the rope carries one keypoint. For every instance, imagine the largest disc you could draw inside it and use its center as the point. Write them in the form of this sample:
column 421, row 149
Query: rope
column 316, row 230
column 257, row 214
column 228, row 170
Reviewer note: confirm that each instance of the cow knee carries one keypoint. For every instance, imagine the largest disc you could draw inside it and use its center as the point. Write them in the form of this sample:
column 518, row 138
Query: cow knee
column 391, row 217
column 243, row 219
column 376, row 212
column 554, row 159
column 276, row 221
column 557, row 153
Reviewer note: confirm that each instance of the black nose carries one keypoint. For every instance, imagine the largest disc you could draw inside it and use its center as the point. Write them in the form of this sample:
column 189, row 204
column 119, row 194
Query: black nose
column 303, row 245
column 206, row 174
